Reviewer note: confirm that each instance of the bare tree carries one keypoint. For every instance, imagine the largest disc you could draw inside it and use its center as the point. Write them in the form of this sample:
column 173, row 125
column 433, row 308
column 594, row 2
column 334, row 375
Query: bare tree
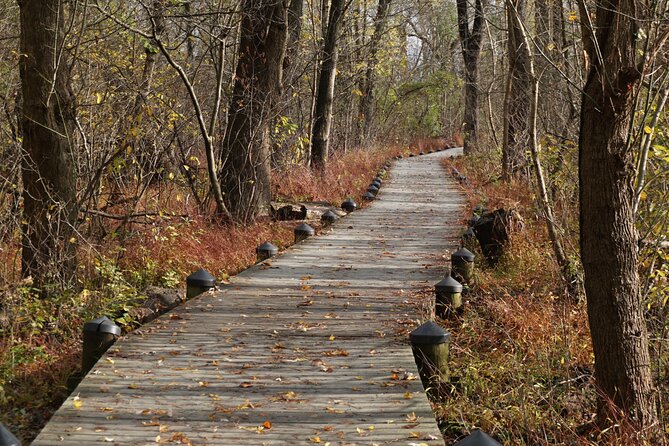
column 517, row 100
column 326, row 84
column 245, row 180
column 369, row 80
column 48, row 120
column 470, row 42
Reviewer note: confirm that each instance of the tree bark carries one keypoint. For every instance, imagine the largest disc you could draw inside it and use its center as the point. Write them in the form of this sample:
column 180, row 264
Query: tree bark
column 49, row 176
column 517, row 106
column 326, row 85
column 367, row 99
column 245, row 180
column 609, row 249
column 470, row 42
column 295, row 15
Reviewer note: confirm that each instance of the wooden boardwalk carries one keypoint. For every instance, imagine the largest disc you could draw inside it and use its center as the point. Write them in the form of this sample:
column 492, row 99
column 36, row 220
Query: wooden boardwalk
column 309, row 348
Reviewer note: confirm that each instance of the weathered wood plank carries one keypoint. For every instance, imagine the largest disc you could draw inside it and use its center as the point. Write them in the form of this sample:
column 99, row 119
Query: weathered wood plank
column 308, row 347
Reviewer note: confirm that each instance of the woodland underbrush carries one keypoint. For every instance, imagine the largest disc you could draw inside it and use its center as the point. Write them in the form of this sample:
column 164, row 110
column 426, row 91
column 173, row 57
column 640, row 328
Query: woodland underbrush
column 521, row 358
column 40, row 338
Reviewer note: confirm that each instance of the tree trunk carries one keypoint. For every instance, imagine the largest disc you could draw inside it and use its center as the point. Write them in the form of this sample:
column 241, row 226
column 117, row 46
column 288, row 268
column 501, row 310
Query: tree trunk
column 470, row 42
column 368, row 83
column 326, row 86
column 295, row 13
column 247, row 145
column 608, row 235
column 49, row 177
column 517, row 107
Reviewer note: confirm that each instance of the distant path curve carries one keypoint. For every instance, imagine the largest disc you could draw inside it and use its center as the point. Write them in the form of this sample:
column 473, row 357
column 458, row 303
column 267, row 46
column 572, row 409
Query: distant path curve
column 310, row 350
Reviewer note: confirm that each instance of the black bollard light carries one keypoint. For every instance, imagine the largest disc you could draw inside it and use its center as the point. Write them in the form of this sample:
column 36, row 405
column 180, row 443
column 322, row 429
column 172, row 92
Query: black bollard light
column 379, row 180
column 429, row 343
column 411, row 155
column 448, row 296
column 303, row 231
column 329, row 217
column 369, row 196
column 349, row 205
column 376, row 183
column 7, row 438
column 199, row 282
column 373, row 189
column 477, row 438
column 265, row 251
column 99, row 335
column 462, row 266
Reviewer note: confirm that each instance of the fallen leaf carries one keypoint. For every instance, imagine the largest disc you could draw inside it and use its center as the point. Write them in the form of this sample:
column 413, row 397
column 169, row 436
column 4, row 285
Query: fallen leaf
column 181, row 438
column 267, row 424
column 336, row 352
column 412, row 417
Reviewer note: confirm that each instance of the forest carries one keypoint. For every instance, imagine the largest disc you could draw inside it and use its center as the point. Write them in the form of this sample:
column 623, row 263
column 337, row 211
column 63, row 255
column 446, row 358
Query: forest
column 143, row 139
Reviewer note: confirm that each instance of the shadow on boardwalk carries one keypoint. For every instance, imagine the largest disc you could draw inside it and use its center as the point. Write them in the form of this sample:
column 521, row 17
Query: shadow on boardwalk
column 309, row 347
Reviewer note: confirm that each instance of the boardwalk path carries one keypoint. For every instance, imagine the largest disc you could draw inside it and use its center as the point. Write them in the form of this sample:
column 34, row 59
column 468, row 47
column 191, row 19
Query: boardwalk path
column 313, row 347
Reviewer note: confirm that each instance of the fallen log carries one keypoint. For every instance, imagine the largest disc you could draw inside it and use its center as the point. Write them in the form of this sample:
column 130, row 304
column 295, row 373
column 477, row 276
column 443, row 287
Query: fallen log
column 309, row 210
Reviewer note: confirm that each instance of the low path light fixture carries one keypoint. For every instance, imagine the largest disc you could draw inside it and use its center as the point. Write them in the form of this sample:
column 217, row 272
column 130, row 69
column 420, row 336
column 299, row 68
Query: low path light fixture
column 265, row 251
column 462, row 266
column 329, row 217
column 349, row 205
column 99, row 335
column 477, row 438
column 448, row 296
column 303, row 232
column 429, row 343
column 199, row 282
